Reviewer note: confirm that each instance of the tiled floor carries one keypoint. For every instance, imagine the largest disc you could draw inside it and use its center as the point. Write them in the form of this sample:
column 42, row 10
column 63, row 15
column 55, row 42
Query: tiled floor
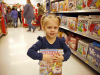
column 14, row 59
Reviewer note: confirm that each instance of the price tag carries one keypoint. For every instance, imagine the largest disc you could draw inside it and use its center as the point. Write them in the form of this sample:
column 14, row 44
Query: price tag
column 86, row 61
column 83, row 34
column 75, row 31
column 75, row 53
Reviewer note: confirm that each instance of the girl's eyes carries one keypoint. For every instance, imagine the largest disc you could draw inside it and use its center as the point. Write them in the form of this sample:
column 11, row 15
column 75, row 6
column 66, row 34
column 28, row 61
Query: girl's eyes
column 55, row 27
column 49, row 27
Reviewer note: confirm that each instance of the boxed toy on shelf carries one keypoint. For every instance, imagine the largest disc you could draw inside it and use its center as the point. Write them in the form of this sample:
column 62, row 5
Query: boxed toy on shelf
column 94, row 16
column 65, row 5
column 93, row 4
column 94, row 55
column 83, row 23
column 79, row 4
column 72, row 23
column 61, row 5
column 53, row 7
column 84, row 4
column 64, row 21
column 94, row 27
column 71, row 5
column 82, row 47
column 56, row 6
column 51, row 67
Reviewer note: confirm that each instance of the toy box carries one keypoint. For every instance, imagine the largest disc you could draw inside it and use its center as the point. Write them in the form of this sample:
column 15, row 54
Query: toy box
column 94, row 55
column 53, row 7
column 94, row 27
column 83, row 47
column 56, row 6
column 94, row 16
column 79, row 4
column 82, row 26
column 64, row 21
column 73, row 43
column 65, row 5
column 51, row 67
column 93, row 4
column 84, row 4
column 72, row 23
column 71, row 5
column 61, row 5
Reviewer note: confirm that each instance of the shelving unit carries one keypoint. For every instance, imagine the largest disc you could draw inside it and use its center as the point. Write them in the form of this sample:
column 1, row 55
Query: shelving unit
column 88, row 35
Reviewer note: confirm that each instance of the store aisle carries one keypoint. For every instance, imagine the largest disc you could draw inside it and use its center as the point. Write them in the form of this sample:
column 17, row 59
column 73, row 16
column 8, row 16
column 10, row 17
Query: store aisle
column 14, row 59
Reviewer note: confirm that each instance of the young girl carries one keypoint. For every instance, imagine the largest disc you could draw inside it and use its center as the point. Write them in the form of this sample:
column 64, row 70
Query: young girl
column 50, row 25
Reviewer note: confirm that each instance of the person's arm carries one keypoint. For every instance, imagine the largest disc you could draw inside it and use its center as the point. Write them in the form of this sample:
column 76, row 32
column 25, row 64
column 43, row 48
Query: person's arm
column 25, row 9
column 67, row 51
column 11, row 14
column 32, row 51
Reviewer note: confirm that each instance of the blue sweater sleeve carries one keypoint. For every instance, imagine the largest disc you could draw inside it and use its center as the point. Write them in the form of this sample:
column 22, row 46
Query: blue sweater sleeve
column 32, row 51
column 67, row 51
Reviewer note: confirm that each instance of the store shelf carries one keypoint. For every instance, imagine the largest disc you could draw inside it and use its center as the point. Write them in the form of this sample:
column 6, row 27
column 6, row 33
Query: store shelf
column 78, row 11
column 85, row 60
column 85, row 35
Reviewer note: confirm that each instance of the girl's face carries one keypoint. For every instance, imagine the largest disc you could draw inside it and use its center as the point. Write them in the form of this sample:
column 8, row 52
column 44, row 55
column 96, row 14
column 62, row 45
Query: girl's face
column 51, row 28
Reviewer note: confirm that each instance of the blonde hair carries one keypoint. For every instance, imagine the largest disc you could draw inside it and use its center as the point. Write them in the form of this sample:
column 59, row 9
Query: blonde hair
column 45, row 18
column 30, row 2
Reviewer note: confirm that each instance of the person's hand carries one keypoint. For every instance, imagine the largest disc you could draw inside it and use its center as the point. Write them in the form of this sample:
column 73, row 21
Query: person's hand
column 46, row 57
column 58, row 58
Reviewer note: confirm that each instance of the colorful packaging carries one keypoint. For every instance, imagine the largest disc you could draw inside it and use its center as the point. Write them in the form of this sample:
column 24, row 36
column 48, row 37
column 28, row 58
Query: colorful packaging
column 84, row 4
column 94, row 27
column 53, row 7
column 79, row 4
column 56, row 6
column 51, row 68
column 82, row 26
column 64, row 21
column 94, row 16
column 65, row 6
column 93, row 4
column 61, row 5
column 71, row 5
column 94, row 55
column 83, row 48
column 72, row 23
column 73, row 43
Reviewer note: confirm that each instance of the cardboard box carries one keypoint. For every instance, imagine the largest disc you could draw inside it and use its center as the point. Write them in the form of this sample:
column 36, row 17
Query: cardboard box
column 94, row 55
column 79, row 4
column 71, row 5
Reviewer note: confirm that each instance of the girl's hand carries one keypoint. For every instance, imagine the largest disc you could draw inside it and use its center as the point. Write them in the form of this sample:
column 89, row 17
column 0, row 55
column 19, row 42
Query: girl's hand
column 58, row 58
column 46, row 57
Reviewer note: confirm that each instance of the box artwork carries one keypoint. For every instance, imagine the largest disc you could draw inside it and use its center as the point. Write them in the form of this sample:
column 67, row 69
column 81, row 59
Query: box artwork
column 51, row 68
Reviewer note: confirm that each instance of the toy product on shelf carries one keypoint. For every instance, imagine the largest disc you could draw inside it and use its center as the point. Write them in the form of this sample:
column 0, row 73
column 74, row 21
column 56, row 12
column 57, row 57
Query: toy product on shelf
column 79, row 5
column 51, row 67
column 82, row 47
column 64, row 21
column 61, row 5
column 53, row 7
column 93, row 4
column 71, row 5
column 56, row 6
column 94, row 27
column 65, row 5
column 83, row 24
column 94, row 16
column 72, row 23
column 73, row 43
column 94, row 55
column 84, row 4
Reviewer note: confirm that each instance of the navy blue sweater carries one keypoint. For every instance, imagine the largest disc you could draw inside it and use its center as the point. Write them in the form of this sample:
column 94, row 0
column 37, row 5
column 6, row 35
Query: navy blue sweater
column 44, row 44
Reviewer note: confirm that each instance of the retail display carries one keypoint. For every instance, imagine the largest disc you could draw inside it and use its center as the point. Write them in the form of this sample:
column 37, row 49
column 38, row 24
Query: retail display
column 51, row 68
column 94, row 55
column 83, row 10
column 64, row 21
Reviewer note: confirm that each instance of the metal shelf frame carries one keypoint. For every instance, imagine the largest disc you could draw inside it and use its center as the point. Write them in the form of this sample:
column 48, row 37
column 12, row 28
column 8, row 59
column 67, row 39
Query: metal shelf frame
column 85, row 60
column 97, row 38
